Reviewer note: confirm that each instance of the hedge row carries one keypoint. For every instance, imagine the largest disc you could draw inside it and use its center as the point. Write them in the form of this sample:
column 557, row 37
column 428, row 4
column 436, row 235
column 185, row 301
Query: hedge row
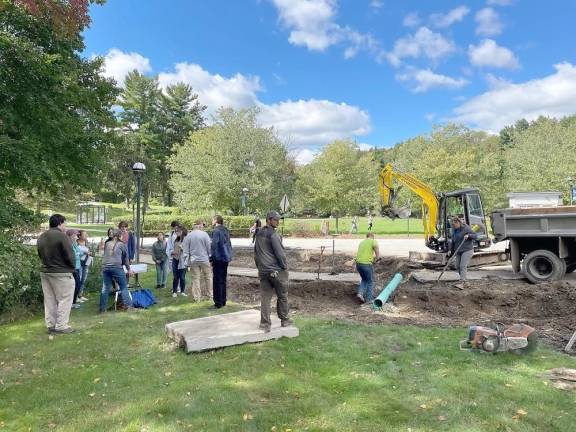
column 161, row 222
column 20, row 287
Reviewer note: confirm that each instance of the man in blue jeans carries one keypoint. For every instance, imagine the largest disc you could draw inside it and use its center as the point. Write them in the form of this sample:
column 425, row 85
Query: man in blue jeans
column 114, row 258
column 368, row 252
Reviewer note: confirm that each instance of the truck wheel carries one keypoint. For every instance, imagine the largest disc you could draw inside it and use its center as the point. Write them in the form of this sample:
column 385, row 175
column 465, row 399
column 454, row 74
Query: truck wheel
column 542, row 266
column 570, row 267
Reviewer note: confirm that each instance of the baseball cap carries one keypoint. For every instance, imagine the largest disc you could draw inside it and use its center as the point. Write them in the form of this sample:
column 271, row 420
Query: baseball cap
column 273, row 215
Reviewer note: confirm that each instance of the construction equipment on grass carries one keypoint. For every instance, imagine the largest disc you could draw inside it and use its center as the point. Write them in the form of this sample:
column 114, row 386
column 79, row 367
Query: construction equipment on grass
column 518, row 338
column 437, row 208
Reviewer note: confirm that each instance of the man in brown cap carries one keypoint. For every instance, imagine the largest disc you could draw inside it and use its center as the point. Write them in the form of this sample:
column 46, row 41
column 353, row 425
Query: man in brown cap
column 273, row 272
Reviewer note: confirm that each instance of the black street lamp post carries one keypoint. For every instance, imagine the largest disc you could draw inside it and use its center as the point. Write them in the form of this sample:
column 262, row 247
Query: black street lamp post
column 244, row 201
column 138, row 168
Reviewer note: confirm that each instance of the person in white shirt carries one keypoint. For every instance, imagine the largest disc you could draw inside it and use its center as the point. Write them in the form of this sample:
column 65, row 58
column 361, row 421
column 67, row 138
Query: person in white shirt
column 170, row 242
column 196, row 250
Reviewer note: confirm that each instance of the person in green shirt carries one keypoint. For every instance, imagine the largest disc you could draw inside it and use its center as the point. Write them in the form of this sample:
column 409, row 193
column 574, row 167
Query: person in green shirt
column 367, row 253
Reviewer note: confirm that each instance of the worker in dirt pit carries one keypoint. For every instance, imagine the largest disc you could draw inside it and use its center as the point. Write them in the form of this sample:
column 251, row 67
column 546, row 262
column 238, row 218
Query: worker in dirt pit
column 368, row 252
column 273, row 272
column 463, row 246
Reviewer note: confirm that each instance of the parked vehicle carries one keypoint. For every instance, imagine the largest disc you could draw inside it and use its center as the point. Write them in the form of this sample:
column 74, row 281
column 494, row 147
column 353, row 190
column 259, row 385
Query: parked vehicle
column 542, row 240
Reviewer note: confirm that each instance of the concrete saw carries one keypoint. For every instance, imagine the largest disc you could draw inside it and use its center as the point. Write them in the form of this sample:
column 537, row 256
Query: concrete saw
column 518, row 338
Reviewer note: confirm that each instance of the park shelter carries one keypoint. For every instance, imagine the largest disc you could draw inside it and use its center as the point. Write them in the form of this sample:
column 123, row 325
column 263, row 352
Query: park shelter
column 91, row 213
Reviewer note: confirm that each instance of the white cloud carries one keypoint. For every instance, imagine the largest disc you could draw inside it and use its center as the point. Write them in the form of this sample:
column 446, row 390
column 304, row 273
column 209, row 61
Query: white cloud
column 488, row 22
column 446, row 20
column 552, row 96
column 214, row 91
column 430, row 117
column 117, row 64
column 489, row 53
column 424, row 80
column 411, row 20
column 365, row 146
column 312, row 122
column 423, row 43
column 312, row 24
column 303, row 123
column 376, row 4
column 499, row 2
column 304, row 156
column 495, row 82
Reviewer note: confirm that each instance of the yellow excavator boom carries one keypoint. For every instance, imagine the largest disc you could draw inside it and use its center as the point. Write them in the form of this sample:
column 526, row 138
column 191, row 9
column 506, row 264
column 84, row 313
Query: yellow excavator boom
column 430, row 203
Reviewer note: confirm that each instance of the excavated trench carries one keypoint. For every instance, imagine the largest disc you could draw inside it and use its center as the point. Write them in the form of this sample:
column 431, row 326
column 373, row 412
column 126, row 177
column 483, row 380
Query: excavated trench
column 548, row 307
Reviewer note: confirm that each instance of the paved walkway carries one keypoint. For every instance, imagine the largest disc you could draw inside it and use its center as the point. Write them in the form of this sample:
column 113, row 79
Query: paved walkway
column 389, row 247
column 298, row 276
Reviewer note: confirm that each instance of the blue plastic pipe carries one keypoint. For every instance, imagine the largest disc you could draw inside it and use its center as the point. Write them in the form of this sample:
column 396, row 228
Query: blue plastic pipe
column 388, row 290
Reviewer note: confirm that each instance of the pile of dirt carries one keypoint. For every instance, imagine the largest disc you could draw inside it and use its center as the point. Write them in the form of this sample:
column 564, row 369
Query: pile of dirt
column 550, row 308
column 312, row 260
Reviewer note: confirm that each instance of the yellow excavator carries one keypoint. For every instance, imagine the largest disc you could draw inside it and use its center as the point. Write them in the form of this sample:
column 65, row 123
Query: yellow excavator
column 437, row 208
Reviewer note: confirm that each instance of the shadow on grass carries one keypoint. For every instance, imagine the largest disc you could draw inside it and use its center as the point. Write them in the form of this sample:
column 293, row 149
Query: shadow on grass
column 121, row 373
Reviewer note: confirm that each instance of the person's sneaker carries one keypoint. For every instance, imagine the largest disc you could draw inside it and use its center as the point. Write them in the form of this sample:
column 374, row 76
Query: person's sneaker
column 76, row 306
column 183, row 294
column 51, row 330
column 174, row 295
column 360, row 297
column 158, row 286
column 163, row 286
column 287, row 323
column 460, row 285
column 83, row 298
column 264, row 327
column 66, row 330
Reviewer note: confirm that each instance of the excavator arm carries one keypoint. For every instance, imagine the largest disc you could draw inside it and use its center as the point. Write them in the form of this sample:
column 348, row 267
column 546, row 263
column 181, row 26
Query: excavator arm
column 430, row 205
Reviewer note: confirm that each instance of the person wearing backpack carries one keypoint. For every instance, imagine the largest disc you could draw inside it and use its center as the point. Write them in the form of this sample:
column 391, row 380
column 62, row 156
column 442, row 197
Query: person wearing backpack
column 114, row 260
column 221, row 255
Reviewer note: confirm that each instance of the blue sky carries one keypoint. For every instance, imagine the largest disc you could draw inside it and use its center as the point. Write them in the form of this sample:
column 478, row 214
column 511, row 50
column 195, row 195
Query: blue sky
column 378, row 71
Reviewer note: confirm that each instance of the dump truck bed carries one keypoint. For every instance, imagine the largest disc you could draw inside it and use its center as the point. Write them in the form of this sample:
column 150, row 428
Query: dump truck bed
column 534, row 222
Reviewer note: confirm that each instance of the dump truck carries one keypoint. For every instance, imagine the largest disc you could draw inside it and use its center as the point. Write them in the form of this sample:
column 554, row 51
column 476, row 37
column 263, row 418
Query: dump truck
column 542, row 241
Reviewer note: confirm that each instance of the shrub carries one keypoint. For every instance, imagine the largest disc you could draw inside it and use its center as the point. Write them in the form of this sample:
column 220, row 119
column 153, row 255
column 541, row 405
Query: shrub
column 20, row 287
column 155, row 223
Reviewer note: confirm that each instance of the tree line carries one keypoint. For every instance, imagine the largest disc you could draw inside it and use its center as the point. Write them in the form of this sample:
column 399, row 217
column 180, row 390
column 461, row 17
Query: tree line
column 66, row 132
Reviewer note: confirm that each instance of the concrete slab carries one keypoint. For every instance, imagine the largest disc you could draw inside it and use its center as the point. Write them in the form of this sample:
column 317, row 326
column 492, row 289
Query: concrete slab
column 298, row 276
column 428, row 276
column 224, row 330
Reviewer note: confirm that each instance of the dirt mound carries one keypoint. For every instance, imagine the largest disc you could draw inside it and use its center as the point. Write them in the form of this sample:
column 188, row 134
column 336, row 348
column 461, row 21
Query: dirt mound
column 550, row 308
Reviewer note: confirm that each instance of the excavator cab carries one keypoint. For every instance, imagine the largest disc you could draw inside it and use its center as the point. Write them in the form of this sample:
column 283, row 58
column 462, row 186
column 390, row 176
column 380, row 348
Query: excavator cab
column 467, row 205
column 437, row 208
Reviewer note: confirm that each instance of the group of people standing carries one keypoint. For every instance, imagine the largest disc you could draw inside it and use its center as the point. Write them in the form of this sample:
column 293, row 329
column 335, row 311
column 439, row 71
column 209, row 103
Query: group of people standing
column 66, row 257
column 206, row 258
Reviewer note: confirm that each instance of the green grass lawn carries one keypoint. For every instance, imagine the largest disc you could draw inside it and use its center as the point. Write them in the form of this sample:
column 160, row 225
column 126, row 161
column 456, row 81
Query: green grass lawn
column 120, row 373
column 382, row 227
